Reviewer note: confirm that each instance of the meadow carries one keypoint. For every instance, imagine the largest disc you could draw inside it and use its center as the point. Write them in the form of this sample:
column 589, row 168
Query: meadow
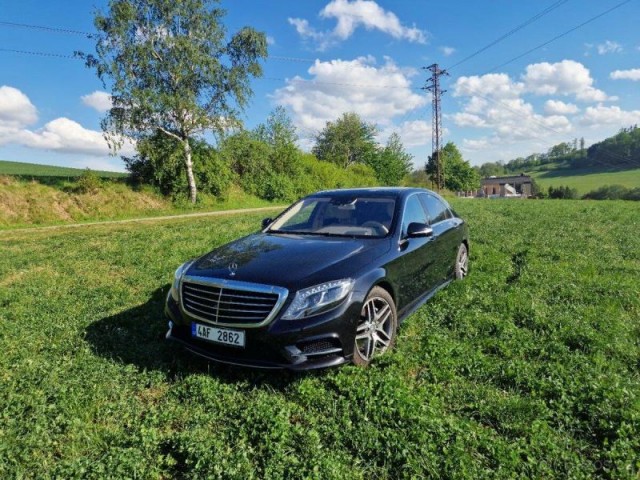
column 529, row 368
column 35, row 170
column 585, row 180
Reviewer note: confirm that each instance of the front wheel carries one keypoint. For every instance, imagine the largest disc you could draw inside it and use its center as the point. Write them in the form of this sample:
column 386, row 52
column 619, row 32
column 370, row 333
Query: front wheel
column 462, row 262
column 376, row 330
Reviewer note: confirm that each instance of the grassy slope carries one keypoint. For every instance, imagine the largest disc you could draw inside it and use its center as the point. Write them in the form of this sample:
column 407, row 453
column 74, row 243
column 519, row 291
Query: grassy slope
column 38, row 170
column 528, row 368
column 25, row 203
column 586, row 180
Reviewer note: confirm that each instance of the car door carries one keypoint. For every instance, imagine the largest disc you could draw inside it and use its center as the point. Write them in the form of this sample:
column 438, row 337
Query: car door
column 417, row 275
column 445, row 236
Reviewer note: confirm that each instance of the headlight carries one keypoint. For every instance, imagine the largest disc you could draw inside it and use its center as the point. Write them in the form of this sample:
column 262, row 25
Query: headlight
column 175, row 286
column 312, row 300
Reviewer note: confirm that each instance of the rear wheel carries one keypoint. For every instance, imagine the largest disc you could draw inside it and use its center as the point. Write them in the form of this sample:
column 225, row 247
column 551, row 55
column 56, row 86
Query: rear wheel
column 462, row 262
column 376, row 330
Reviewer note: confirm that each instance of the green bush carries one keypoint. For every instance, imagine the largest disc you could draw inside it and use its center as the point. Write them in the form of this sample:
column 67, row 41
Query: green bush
column 564, row 193
column 613, row 192
column 160, row 162
column 88, row 182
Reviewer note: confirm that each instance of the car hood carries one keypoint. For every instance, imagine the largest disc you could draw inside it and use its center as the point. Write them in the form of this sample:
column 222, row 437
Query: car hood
column 291, row 261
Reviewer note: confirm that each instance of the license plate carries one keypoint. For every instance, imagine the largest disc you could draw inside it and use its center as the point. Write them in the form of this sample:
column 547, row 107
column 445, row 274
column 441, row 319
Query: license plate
column 218, row 335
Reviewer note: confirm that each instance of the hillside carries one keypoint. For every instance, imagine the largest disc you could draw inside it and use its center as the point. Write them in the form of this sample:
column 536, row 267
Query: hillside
column 585, row 179
column 23, row 169
column 30, row 202
column 612, row 161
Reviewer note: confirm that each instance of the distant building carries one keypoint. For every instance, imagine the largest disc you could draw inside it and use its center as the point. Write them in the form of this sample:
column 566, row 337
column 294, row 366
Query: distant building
column 511, row 186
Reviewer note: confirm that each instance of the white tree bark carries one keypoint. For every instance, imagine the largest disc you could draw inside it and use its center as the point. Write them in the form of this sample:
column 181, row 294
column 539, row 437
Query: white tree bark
column 190, row 178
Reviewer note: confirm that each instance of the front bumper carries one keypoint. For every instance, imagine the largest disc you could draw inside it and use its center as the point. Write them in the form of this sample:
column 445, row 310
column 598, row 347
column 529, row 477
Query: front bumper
column 325, row 340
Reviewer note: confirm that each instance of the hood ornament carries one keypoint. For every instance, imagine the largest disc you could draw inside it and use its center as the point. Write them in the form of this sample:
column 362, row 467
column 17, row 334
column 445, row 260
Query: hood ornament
column 233, row 267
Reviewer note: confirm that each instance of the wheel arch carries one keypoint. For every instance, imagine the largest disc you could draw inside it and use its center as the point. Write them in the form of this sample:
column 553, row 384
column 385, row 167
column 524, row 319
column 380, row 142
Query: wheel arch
column 378, row 278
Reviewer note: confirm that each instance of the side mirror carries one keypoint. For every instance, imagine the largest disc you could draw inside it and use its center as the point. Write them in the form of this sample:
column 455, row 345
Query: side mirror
column 266, row 222
column 417, row 229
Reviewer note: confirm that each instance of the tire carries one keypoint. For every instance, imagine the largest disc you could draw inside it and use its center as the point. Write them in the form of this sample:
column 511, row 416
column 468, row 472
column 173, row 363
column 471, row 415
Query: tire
column 377, row 326
column 462, row 262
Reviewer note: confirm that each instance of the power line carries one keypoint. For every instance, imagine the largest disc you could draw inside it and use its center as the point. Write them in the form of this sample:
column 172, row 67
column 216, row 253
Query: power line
column 618, row 5
column 316, row 82
column 44, row 28
column 511, row 32
column 40, row 54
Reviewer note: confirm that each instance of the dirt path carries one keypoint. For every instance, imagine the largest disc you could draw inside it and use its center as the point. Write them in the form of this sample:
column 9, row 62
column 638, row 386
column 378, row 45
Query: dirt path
column 145, row 219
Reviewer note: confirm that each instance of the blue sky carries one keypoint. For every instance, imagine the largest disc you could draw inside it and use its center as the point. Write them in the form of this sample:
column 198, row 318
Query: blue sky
column 357, row 55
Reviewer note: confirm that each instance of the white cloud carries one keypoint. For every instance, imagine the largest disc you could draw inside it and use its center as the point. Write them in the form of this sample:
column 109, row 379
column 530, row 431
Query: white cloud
column 100, row 101
column 567, row 77
column 68, row 136
column 59, row 135
column 633, row 74
column 494, row 85
column 415, row 133
column 608, row 47
column 16, row 110
column 447, row 51
column 509, row 126
column 600, row 115
column 558, row 107
column 271, row 40
column 493, row 102
column 353, row 14
column 466, row 119
column 479, row 144
column 376, row 93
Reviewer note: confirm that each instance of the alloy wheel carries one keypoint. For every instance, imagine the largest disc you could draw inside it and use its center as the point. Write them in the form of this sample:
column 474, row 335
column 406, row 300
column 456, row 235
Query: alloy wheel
column 374, row 333
column 462, row 262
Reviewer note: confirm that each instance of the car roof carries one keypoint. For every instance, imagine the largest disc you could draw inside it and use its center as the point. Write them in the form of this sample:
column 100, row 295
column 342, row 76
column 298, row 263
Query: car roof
column 373, row 191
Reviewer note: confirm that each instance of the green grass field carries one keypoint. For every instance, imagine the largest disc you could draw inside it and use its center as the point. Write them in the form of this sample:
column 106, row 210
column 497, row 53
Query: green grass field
column 530, row 368
column 34, row 170
column 585, row 180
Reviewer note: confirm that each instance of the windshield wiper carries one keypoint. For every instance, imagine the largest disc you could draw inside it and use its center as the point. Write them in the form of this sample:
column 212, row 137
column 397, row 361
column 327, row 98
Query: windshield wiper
column 292, row 232
column 320, row 234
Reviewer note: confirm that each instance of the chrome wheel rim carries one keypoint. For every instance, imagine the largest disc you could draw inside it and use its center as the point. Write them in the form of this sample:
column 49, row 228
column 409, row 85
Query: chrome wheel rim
column 375, row 329
column 463, row 262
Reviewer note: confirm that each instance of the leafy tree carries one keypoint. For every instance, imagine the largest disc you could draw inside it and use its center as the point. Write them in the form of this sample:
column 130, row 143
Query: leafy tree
column 392, row 163
column 159, row 162
column 489, row 169
column 171, row 70
column 459, row 176
column 417, row 178
column 347, row 141
column 280, row 134
column 536, row 191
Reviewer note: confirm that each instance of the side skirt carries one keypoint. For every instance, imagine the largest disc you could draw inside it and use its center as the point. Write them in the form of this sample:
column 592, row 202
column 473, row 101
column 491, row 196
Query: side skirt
column 409, row 309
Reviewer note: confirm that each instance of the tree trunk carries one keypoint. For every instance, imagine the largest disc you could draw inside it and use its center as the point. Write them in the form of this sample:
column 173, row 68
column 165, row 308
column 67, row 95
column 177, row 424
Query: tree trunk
column 190, row 178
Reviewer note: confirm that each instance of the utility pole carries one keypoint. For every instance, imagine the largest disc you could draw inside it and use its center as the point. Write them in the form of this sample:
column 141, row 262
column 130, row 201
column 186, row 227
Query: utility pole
column 433, row 86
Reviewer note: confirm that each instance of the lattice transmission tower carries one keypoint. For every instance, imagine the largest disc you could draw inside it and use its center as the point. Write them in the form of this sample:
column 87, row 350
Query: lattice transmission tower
column 433, row 86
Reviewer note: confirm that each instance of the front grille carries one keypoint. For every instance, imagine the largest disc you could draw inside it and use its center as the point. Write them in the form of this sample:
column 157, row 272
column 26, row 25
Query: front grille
column 230, row 306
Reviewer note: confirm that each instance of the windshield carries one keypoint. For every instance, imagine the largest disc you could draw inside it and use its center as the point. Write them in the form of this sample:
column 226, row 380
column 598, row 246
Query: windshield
column 338, row 216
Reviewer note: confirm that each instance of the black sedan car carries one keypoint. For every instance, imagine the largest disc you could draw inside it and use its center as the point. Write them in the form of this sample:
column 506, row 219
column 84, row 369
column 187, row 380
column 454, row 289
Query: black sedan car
column 326, row 282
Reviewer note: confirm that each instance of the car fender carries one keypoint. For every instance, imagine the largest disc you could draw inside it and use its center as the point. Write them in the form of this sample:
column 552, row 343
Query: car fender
column 370, row 279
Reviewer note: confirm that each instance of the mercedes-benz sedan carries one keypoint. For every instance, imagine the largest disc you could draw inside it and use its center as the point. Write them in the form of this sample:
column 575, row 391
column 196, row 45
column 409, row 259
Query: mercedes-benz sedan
column 326, row 282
